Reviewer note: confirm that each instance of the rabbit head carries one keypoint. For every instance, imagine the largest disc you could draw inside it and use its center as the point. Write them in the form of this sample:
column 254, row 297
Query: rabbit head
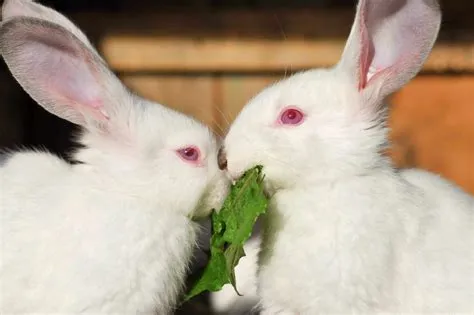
column 324, row 124
column 149, row 149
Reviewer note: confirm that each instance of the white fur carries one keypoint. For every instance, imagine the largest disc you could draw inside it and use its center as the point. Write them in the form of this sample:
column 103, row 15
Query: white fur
column 112, row 234
column 345, row 231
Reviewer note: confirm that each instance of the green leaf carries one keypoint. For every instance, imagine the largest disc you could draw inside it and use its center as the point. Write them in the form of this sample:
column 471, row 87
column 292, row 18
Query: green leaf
column 231, row 228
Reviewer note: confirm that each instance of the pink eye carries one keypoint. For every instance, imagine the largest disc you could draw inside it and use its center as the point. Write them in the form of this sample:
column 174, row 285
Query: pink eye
column 291, row 116
column 190, row 154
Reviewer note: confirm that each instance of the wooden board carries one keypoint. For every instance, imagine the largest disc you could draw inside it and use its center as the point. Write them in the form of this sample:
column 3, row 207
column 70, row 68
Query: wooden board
column 215, row 100
column 133, row 53
column 248, row 41
column 238, row 90
column 191, row 95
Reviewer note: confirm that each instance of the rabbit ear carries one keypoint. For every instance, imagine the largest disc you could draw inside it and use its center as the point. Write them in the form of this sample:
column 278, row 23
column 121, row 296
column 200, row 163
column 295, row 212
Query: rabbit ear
column 60, row 72
column 389, row 42
column 28, row 8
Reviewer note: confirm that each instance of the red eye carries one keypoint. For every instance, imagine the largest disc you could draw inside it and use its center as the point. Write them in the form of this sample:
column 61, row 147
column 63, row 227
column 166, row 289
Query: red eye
column 191, row 153
column 291, row 116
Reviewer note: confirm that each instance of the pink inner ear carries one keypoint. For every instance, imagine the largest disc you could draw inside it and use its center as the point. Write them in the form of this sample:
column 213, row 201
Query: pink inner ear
column 367, row 52
column 65, row 78
column 96, row 107
column 370, row 69
column 367, row 69
column 75, row 81
column 394, row 38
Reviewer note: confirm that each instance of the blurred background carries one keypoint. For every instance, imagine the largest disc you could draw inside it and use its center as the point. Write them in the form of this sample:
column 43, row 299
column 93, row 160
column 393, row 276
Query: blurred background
column 207, row 58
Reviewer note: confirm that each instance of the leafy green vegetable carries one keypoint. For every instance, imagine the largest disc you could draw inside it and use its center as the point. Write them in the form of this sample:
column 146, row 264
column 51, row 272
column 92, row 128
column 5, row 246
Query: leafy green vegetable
column 231, row 228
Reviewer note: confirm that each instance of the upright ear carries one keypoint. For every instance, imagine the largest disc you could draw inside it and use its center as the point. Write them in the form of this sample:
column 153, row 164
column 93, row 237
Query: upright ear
column 389, row 42
column 28, row 8
column 61, row 72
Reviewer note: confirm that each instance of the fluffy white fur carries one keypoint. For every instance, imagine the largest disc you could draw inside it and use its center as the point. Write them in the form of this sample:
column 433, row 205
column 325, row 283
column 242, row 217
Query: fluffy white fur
column 112, row 234
column 346, row 232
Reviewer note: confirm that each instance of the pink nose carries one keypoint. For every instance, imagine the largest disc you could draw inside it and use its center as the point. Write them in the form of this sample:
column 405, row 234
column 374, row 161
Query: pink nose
column 222, row 159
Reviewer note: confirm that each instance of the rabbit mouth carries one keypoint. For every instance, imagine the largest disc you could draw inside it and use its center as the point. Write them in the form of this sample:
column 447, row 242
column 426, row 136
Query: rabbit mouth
column 268, row 189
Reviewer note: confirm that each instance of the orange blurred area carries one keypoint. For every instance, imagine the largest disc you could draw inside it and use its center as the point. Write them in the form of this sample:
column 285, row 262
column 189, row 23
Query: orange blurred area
column 432, row 121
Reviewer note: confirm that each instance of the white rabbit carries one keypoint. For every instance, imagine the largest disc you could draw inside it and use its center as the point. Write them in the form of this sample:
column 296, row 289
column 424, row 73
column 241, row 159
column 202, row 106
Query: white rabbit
column 345, row 231
column 112, row 234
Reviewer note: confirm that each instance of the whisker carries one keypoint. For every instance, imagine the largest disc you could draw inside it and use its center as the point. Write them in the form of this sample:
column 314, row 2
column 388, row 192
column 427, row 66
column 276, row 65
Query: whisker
column 217, row 126
column 280, row 26
column 226, row 118
column 219, row 129
column 283, row 34
column 222, row 129
column 273, row 157
column 289, row 165
column 213, row 122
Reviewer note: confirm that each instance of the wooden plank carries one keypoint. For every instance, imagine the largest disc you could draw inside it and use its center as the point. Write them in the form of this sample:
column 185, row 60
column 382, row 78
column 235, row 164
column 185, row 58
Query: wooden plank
column 214, row 100
column 190, row 95
column 126, row 53
column 238, row 90
column 220, row 24
column 246, row 40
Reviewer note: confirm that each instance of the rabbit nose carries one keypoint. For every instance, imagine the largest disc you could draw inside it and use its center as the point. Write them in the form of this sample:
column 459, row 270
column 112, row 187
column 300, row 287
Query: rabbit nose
column 221, row 159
